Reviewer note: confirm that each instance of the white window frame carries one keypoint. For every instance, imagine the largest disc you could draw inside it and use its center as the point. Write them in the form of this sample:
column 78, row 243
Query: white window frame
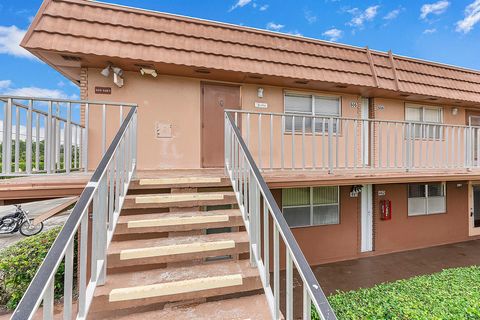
column 424, row 124
column 311, row 206
column 427, row 213
column 312, row 109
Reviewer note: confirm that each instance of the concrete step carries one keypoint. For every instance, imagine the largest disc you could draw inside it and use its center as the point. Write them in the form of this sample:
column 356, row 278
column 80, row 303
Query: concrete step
column 169, row 200
column 143, row 288
column 152, row 252
column 253, row 307
column 178, row 221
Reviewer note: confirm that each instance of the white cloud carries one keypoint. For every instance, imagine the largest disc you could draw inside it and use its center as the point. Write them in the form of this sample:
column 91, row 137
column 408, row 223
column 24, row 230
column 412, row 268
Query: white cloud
column 392, row 14
column 429, row 31
column 472, row 17
column 333, row 34
column 5, row 84
column 10, row 38
column 436, row 8
column 359, row 17
column 7, row 89
column 240, row 4
column 264, row 7
column 310, row 16
column 295, row 33
column 275, row 26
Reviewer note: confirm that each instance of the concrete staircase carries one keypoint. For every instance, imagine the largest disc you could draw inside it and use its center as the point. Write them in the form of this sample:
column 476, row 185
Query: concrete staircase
column 180, row 251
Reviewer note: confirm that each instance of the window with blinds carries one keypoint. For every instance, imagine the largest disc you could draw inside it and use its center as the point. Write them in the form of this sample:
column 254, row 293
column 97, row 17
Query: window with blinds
column 426, row 199
column 426, row 119
column 311, row 206
column 301, row 106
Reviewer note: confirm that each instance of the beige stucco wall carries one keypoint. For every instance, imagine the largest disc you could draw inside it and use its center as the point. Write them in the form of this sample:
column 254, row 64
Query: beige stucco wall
column 166, row 100
column 177, row 101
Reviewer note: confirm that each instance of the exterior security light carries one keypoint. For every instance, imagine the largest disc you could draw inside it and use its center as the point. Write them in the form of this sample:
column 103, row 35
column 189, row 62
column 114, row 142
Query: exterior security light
column 118, row 80
column 260, row 92
column 151, row 72
column 454, row 111
column 117, row 71
column 106, row 72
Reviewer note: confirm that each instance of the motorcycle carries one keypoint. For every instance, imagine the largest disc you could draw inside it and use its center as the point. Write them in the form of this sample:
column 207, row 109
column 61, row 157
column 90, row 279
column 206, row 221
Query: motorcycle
column 19, row 221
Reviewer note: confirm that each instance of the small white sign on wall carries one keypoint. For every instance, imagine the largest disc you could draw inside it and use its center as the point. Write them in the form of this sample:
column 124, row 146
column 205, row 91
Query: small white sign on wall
column 261, row 105
column 381, row 193
column 163, row 130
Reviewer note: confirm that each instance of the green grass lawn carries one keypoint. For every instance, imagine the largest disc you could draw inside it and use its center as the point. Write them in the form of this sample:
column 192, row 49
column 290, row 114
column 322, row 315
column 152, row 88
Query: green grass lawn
column 450, row 294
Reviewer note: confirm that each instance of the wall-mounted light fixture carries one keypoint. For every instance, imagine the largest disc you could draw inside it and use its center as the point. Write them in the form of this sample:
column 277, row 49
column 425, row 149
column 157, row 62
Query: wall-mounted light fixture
column 454, row 111
column 117, row 74
column 260, row 92
column 151, row 72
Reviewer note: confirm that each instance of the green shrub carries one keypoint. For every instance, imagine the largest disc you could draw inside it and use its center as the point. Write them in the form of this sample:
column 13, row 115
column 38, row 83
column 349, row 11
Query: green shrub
column 450, row 294
column 19, row 263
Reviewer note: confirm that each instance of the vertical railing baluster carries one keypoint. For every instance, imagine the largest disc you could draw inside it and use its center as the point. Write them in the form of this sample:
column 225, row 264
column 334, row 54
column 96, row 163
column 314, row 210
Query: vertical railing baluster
column 307, row 305
column 289, row 286
column 447, row 147
column 314, row 143
column 271, row 141
column 68, row 282
column 434, row 149
column 345, row 135
column 48, row 299
column 388, row 145
column 104, row 128
column 248, row 130
column 17, row 139
column 427, row 146
column 323, row 143
column 7, row 138
column 303, row 142
column 276, row 272
column 85, row 145
column 355, row 143
column 395, row 128
column 260, row 141
column 380, row 143
column 282, row 144
column 337, row 142
column 82, row 265
column 28, row 144
column 293, row 142
column 37, row 143
column 67, row 153
column 330, row 151
column 266, row 244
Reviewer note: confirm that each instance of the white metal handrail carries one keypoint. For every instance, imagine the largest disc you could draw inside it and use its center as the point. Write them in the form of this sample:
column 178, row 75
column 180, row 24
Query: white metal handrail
column 46, row 135
column 264, row 221
column 297, row 141
column 103, row 199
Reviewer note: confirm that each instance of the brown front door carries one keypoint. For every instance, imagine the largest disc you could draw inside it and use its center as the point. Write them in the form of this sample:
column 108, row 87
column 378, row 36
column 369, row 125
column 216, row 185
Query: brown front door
column 215, row 99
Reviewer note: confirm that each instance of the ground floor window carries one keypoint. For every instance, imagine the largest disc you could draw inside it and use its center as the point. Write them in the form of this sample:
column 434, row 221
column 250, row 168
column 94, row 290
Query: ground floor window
column 426, row 199
column 311, row 206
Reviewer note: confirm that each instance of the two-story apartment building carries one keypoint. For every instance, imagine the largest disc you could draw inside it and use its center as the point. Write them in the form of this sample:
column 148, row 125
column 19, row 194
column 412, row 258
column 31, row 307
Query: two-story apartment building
column 349, row 151
column 365, row 151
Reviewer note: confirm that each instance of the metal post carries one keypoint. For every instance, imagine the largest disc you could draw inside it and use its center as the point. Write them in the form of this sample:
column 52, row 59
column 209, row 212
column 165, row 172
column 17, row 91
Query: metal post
column 28, row 151
column 17, row 139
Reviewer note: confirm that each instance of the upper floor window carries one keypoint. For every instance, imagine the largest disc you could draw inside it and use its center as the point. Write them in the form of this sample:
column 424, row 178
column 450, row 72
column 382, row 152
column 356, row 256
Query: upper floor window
column 311, row 206
column 426, row 199
column 427, row 121
column 311, row 105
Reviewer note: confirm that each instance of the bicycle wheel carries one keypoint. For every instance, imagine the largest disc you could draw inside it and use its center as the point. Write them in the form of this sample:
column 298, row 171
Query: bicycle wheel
column 30, row 229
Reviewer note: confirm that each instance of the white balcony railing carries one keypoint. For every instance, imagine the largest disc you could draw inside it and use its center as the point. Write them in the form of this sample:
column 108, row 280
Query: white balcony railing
column 43, row 135
column 287, row 141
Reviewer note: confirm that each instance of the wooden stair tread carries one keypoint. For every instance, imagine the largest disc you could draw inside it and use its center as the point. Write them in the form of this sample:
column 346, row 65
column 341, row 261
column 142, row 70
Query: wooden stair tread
column 117, row 246
column 166, row 275
column 180, row 199
column 125, row 219
column 253, row 307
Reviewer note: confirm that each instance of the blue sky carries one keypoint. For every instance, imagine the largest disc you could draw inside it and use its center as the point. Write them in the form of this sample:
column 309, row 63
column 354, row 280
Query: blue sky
column 446, row 31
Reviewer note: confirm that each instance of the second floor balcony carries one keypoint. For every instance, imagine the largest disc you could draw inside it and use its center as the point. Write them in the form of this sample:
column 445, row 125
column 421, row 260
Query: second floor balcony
column 338, row 145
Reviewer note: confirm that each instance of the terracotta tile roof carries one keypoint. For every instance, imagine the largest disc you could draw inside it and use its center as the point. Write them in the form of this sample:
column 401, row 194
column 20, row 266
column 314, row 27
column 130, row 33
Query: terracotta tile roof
column 86, row 27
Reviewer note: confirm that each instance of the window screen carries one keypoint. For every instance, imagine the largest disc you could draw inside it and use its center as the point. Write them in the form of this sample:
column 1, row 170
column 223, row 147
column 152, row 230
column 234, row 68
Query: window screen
column 426, row 119
column 426, row 199
column 311, row 206
column 303, row 105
